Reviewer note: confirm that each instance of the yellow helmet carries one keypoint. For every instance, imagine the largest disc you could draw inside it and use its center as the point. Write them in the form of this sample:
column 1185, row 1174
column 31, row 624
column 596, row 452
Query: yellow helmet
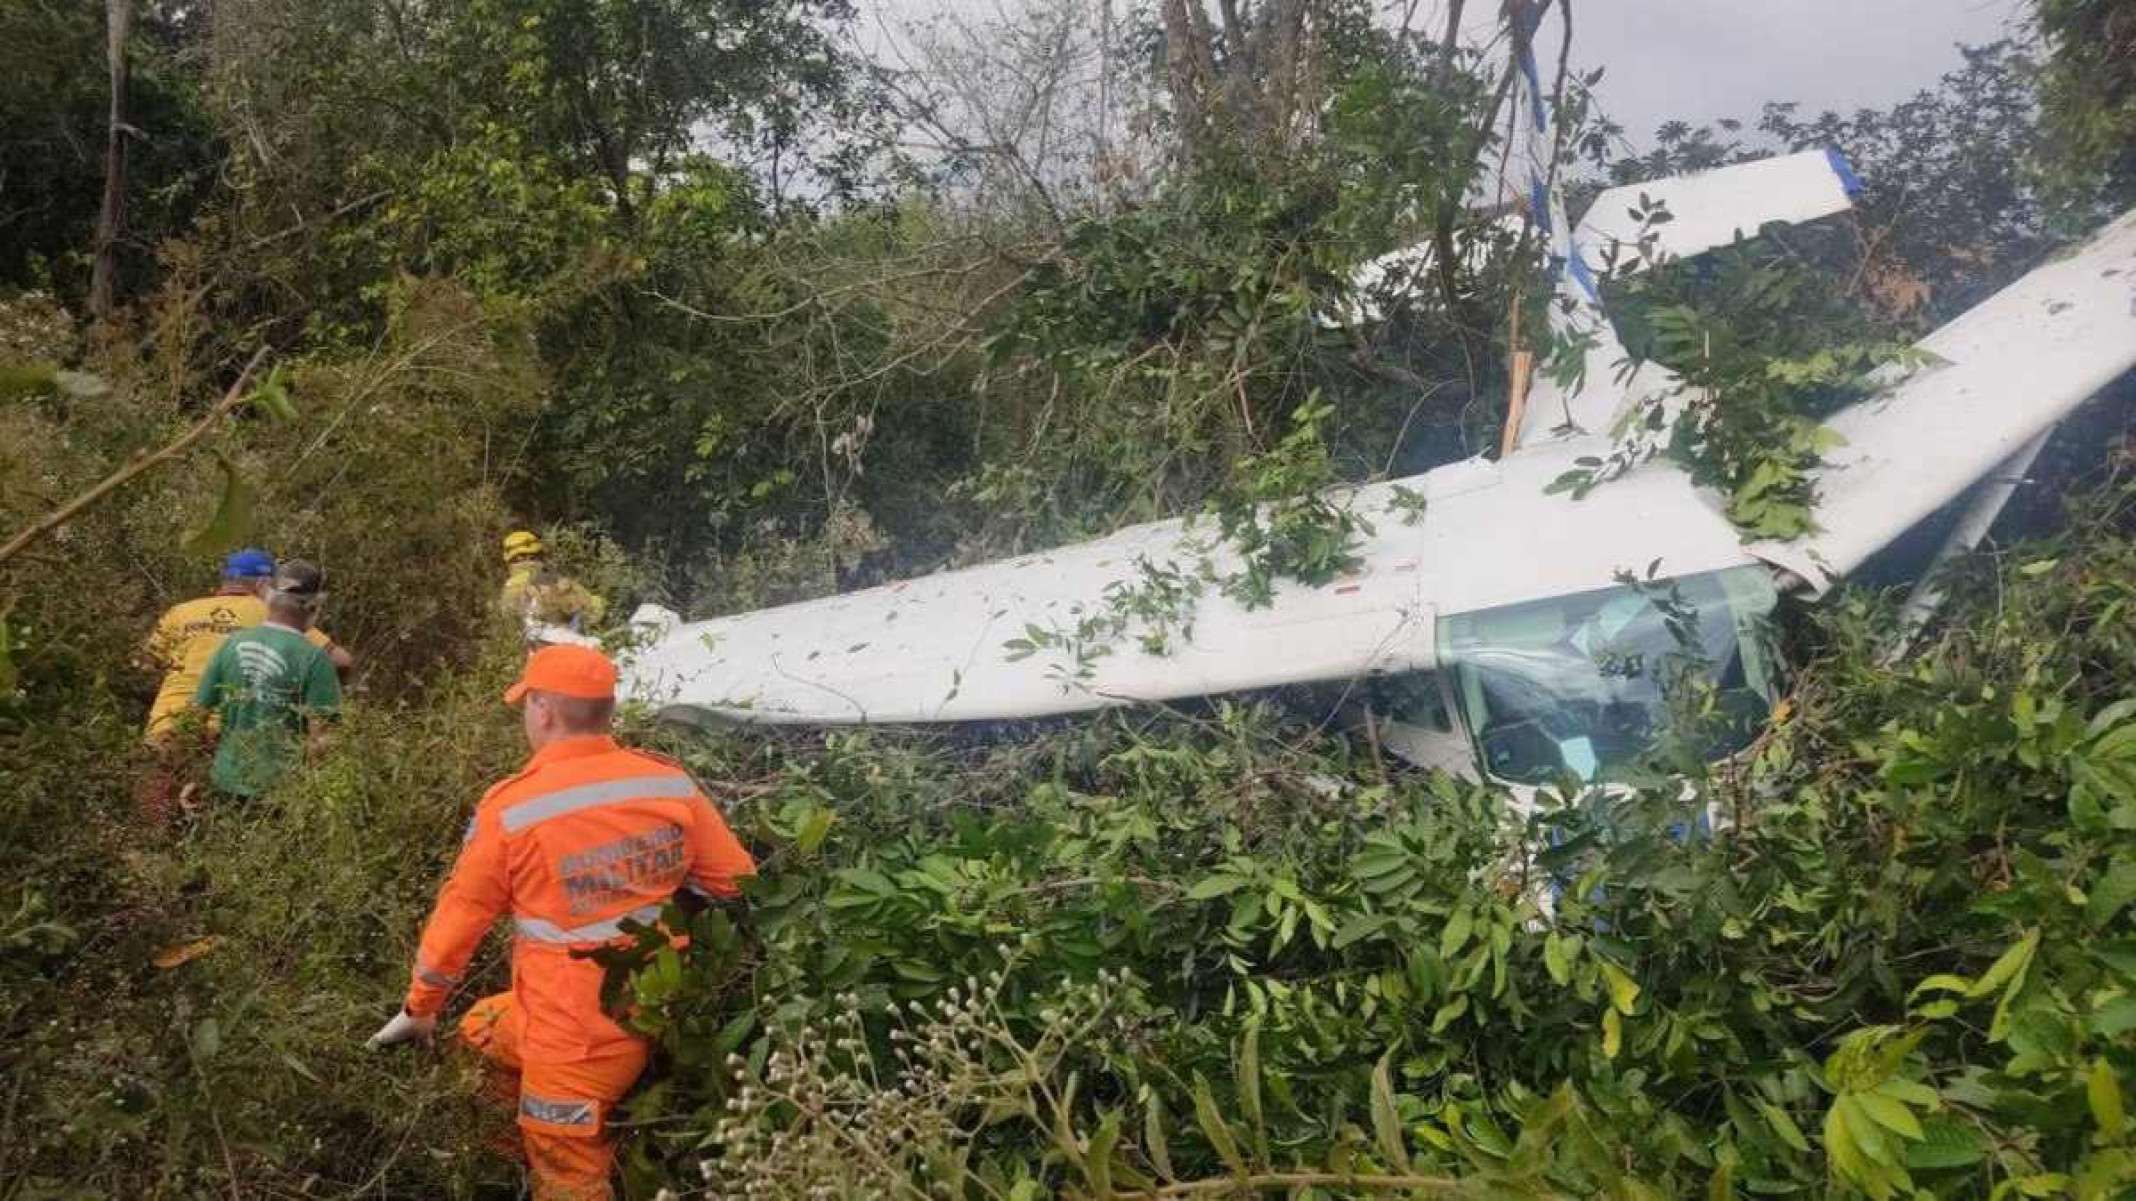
column 521, row 544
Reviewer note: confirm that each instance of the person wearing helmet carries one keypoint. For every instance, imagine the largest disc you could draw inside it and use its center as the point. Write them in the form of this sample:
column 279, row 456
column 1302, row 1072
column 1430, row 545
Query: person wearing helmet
column 541, row 598
column 185, row 638
column 269, row 685
column 589, row 837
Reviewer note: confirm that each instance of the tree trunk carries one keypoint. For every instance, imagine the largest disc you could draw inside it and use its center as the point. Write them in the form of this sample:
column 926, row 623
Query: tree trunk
column 1190, row 59
column 1252, row 99
column 118, row 17
column 1449, row 46
column 1277, row 63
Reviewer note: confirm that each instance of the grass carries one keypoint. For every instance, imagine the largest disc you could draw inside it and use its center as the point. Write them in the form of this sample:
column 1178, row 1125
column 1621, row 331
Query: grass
column 242, row 1073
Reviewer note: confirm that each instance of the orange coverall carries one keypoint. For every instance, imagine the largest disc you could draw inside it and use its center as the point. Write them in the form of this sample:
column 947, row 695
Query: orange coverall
column 586, row 835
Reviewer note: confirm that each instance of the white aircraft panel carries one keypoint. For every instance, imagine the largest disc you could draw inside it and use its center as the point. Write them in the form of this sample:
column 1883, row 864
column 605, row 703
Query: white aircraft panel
column 1709, row 209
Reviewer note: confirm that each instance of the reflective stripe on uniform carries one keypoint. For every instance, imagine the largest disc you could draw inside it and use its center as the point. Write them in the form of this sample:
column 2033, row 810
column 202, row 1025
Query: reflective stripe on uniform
column 540, row 930
column 435, row 978
column 554, row 1112
column 586, row 796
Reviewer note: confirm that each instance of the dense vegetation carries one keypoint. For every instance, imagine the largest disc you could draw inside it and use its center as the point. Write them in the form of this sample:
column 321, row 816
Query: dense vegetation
column 1901, row 962
column 738, row 315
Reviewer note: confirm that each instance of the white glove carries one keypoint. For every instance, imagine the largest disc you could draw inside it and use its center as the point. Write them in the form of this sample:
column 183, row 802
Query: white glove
column 403, row 1028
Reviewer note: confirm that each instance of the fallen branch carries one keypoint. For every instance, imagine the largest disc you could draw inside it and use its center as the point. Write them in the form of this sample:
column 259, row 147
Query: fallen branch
column 141, row 463
column 1292, row 1180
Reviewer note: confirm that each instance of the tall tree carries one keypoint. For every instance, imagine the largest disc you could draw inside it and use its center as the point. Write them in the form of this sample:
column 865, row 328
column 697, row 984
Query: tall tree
column 2088, row 95
column 118, row 21
column 1252, row 80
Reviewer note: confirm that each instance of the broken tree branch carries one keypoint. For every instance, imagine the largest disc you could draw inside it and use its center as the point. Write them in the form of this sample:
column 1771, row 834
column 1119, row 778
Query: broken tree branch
column 143, row 462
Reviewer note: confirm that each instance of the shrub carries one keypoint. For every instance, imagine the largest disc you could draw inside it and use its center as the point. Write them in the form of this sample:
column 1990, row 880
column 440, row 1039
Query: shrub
column 1896, row 965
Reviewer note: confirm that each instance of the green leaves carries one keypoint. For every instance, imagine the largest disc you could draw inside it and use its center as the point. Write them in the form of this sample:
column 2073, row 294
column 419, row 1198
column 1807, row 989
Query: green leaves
column 231, row 523
column 1863, row 1135
column 1449, row 1013
column 1558, row 952
column 814, row 827
column 1945, row 1144
column 1277, row 516
column 1890, row 1113
column 2008, row 975
column 2111, row 894
column 861, row 888
column 272, row 396
column 1154, row 1142
column 1455, row 934
column 1248, row 1080
column 1384, row 865
column 2004, row 980
column 1211, row 887
column 1215, row 1129
column 2102, row 771
column 206, row 1041
column 1763, row 350
column 1873, row 1118
column 2008, row 968
column 2102, row 1090
column 1783, row 1125
column 1623, row 990
column 1386, row 1119
column 1097, row 1161
column 1866, row 1058
column 1359, row 928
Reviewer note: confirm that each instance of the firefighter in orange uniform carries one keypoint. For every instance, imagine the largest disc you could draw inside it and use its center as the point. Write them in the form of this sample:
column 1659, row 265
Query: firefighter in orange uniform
column 587, row 835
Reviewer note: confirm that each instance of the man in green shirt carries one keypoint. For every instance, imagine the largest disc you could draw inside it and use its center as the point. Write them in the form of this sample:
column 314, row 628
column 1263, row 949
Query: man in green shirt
column 269, row 683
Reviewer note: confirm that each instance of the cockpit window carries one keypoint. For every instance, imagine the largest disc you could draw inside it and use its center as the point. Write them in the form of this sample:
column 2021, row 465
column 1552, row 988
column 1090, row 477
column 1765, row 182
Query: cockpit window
column 1582, row 685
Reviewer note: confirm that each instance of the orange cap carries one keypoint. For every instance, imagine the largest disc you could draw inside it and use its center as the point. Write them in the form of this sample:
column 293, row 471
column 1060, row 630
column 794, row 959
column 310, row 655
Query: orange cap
column 565, row 670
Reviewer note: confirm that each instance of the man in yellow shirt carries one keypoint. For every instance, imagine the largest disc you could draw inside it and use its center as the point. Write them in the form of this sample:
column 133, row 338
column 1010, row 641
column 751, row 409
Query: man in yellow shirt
column 183, row 642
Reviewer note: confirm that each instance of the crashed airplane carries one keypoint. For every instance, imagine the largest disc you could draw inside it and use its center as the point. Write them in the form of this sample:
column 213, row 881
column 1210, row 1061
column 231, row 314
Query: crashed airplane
column 1483, row 615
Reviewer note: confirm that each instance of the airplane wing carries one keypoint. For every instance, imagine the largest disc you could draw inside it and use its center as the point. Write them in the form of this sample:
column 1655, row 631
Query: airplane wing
column 941, row 647
column 2004, row 372
column 937, row 648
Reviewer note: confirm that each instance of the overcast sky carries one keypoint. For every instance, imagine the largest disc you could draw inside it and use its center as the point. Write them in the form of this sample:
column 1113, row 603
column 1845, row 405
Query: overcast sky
column 1701, row 59
column 1697, row 59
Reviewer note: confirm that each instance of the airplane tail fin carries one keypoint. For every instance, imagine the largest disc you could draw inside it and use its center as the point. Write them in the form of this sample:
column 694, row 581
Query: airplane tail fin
column 1710, row 209
column 1707, row 209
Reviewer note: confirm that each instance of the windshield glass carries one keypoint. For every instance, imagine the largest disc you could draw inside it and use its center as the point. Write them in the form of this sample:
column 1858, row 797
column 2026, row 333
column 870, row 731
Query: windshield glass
column 1583, row 684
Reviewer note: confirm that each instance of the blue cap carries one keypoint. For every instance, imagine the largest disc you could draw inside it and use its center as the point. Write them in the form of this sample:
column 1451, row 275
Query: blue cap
column 250, row 563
